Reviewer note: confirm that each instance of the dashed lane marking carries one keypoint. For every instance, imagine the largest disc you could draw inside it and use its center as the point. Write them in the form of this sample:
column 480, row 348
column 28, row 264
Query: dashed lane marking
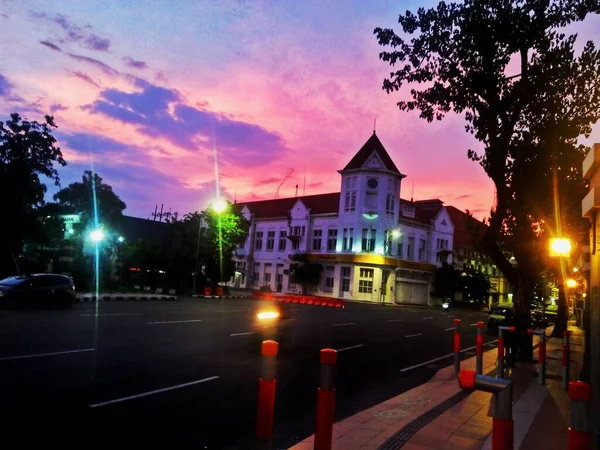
column 350, row 348
column 247, row 333
column 157, row 391
column 39, row 355
column 413, row 335
column 343, row 324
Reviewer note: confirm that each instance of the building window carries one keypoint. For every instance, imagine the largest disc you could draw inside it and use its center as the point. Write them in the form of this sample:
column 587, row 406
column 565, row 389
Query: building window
column 267, row 277
column 270, row 241
column 331, row 239
column 256, row 274
column 282, row 240
column 346, row 275
column 422, row 249
column 298, row 231
column 410, row 249
column 368, row 240
column 348, row 238
column 365, row 282
column 329, row 278
column 400, row 247
column 390, row 205
column 350, row 183
column 296, row 244
column 317, row 237
column 371, row 201
column 350, row 201
column 258, row 240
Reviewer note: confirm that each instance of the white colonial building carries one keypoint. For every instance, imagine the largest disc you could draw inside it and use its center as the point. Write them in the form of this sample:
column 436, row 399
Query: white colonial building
column 373, row 245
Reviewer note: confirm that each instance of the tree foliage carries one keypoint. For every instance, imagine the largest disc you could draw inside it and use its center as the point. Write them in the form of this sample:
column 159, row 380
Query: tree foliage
column 473, row 284
column 78, row 198
column 526, row 93
column 306, row 272
column 28, row 152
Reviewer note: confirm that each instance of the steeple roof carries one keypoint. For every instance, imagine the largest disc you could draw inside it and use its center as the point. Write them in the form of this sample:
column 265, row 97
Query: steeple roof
column 373, row 145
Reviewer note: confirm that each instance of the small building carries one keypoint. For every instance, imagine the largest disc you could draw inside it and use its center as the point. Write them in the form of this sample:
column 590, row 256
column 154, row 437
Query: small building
column 373, row 245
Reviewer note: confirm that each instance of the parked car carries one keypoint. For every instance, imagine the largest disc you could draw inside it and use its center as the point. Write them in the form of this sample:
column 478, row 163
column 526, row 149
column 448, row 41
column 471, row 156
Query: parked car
column 41, row 289
column 543, row 318
column 500, row 315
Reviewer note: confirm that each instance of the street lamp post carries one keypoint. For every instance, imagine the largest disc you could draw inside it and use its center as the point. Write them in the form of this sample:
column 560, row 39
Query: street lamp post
column 390, row 236
column 560, row 248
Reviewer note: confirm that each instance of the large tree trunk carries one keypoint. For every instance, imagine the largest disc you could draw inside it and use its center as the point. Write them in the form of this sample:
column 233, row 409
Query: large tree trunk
column 562, row 317
column 522, row 305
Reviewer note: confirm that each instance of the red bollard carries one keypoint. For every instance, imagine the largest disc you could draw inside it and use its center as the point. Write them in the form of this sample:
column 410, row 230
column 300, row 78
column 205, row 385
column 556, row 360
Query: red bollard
column 502, row 420
column 579, row 436
column 479, row 351
column 456, row 346
column 566, row 360
column 266, row 394
column 326, row 400
column 501, row 329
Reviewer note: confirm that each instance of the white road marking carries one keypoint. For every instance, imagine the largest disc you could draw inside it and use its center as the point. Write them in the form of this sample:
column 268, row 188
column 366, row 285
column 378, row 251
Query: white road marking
column 413, row 335
column 395, row 320
column 449, row 315
column 157, row 391
column 243, row 334
column 174, row 321
column 39, row 355
column 448, row 329
column 350, row 348
column 438, row 359
column 115, row 314
column 427, row 318
column 342, row 324
column 472, row 324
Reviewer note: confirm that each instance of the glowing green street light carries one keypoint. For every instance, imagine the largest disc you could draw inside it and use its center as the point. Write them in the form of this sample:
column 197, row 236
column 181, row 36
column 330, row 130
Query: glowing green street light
column 120, row 239
column 219, row 206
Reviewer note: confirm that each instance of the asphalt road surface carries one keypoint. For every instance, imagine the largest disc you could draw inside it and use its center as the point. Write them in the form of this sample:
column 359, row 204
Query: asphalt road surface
column 185, row 373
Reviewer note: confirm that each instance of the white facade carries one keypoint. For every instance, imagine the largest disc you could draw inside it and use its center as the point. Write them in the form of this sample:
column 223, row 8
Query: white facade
column 373, row 245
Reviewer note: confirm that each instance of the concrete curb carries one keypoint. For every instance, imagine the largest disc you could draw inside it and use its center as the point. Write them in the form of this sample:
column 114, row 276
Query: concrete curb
column 124, row 297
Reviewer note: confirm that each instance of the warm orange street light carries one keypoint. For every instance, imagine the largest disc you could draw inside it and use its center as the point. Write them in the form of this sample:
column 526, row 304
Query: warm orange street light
column 571, row 283
column 560, row 247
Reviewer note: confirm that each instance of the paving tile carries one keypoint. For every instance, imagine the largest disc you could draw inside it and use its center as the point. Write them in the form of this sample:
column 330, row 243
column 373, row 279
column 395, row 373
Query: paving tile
column 472, row 431
column 461, row 443
column 430, row 439
column 351, row 442
column 377, row 424
column 302, row 446
column 411, row 446
column 360, row 433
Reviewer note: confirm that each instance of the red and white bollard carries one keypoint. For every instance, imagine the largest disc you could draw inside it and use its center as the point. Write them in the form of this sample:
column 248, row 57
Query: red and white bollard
column 266, row 394
column 566, row 360
column 456, row 346
column 479, row 349
column 579, row 436
column 326, row 400
column 541, row 354
column 501, row 349
column 502, row 421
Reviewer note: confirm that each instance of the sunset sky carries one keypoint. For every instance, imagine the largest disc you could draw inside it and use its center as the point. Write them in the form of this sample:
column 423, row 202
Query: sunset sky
column 143, row 91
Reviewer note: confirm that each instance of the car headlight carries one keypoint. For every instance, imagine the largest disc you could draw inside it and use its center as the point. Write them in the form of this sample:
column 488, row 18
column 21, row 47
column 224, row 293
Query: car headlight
column 267, row 315
column 445, row 305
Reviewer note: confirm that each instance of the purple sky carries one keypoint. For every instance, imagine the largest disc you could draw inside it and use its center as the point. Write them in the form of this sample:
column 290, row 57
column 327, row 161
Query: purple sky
column 147, row 92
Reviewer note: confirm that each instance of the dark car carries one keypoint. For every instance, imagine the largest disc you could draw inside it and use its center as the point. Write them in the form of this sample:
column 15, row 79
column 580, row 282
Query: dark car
column 543, row 318
column 500, row 315
column 270, row 319
column 42, row 289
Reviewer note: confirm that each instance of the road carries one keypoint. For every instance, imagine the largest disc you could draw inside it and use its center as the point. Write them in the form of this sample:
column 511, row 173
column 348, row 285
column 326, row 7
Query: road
column 185, row 372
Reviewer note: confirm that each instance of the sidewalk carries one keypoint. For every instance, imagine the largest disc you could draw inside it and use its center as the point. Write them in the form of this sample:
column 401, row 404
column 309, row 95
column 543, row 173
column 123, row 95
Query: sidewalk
column 438, row 415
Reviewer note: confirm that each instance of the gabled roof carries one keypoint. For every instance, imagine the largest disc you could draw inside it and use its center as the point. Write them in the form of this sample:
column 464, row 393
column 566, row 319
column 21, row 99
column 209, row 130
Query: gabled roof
column 421, row 215
column 317, row 204
column 373, row 145
column 431, row 208
column 466, row 228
